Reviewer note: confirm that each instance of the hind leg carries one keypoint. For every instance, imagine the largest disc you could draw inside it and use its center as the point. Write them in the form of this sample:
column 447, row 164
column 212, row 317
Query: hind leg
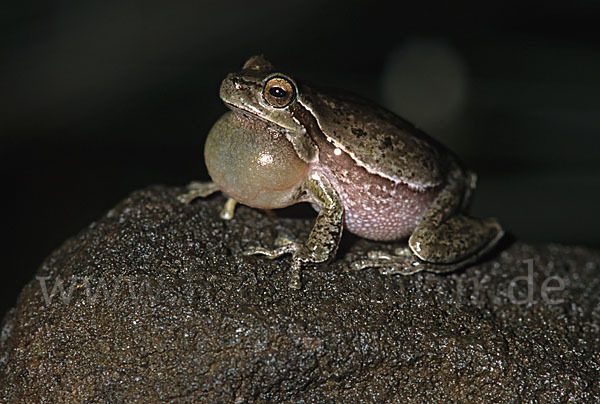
column 444, row 240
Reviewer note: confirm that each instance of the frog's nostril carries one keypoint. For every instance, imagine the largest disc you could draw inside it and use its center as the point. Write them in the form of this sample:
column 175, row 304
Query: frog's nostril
column 232, row 82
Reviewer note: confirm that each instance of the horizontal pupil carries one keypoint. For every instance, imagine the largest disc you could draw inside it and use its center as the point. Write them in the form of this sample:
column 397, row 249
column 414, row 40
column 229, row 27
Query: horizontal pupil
column 277, row 92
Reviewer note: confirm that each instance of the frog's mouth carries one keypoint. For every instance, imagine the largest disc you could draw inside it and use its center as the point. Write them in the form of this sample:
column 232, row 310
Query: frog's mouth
column 252, row 122
column 247, row 114
column 235, row 108
column 254, row 116
column 270, row 118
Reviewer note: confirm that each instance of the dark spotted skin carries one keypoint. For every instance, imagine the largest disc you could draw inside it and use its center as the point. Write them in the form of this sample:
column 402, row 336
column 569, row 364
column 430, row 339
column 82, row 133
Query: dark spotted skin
column 377, row 139
column 375, row 207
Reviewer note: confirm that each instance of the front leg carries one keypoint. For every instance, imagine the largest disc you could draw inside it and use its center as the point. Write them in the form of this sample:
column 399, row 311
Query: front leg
column 324, row 237
column 197, row 189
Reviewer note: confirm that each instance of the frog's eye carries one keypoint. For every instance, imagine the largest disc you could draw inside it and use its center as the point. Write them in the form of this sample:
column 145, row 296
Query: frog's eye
column 279, row 92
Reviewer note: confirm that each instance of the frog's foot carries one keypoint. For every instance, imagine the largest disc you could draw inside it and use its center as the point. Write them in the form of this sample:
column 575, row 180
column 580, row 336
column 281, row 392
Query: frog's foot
column 301, row 255
column 197, row 189
column 283, row 244
column 402, row 262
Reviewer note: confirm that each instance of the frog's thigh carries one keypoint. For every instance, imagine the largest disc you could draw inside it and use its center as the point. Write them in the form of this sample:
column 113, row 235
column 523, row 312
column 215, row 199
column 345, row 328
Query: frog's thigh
column 197, row 189
column 444, row 236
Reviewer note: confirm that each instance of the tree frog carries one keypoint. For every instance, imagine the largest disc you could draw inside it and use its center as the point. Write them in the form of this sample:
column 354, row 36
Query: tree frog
column 362, row 167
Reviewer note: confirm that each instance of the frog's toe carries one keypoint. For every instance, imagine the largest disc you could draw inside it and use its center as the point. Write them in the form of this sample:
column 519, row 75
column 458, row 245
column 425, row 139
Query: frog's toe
column 284, row 241
column 379, row 255
column 190, row 196
column 356, row 265
column 197, row 189
column 388, row 265
column 271, row 253
column 295, row 275
column 400, row 269
column 403, row 252
column 228, row 209
column 186, row 198
column 402, row 262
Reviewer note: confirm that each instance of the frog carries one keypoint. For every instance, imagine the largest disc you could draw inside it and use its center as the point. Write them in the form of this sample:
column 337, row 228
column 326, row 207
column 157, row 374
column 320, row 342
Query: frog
column 363, row 168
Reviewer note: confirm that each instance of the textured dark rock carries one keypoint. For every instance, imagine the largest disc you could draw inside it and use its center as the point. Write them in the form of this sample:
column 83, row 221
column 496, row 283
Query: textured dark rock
column 176, row 314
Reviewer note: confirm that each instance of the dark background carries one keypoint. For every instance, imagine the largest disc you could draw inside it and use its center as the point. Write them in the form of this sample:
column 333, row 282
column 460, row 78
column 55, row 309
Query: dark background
column 100, row 98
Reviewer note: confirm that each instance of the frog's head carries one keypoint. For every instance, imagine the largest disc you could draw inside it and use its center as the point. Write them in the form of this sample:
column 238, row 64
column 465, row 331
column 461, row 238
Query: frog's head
column 260, row 91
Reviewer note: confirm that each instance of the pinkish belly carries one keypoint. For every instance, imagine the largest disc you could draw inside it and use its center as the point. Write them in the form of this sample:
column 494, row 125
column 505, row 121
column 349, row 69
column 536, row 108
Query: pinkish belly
column 376, row 208
column 390, row 217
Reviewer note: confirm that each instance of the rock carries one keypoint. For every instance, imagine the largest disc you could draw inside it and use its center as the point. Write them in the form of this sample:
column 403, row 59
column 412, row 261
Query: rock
column 158, row 305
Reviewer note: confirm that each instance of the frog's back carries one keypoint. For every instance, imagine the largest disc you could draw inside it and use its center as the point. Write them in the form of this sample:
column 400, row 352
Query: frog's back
column 380, row 141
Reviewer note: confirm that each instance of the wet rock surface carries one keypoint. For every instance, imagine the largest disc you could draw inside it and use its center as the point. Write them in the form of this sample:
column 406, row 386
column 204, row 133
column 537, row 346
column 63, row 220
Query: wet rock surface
column 158, row 305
